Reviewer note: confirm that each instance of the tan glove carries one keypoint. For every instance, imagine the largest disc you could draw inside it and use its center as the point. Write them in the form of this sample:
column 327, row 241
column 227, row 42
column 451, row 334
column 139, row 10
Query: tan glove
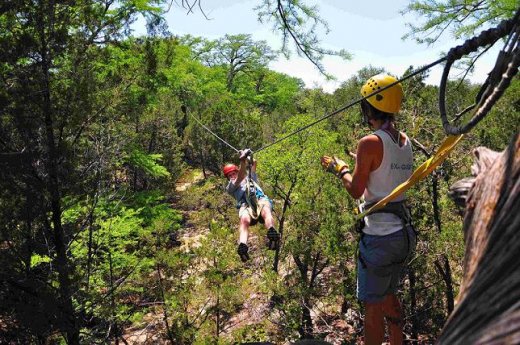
column 333, row 165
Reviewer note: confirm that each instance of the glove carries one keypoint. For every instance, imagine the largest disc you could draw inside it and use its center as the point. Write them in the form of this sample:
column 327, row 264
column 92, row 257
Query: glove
column 244, row 153
column 333, row 164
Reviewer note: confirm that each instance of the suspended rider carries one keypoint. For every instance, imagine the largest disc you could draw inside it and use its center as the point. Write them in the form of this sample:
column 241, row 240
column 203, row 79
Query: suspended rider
column 253, row 205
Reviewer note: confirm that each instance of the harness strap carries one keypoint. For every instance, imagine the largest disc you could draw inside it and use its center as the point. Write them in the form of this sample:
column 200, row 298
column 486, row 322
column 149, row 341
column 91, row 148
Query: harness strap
column 422, row 171
column 251, row 199
column 398, row 208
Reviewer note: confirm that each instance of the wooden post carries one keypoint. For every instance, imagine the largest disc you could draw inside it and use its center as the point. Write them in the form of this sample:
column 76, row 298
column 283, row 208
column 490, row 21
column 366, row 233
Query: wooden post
column 488, row 304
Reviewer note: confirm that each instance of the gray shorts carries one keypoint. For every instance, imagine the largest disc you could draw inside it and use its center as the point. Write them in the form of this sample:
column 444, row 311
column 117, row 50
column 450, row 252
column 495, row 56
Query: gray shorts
column 380, row 263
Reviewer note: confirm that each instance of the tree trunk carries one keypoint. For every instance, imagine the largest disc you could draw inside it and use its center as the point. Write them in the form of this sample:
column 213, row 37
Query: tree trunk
column 70, row 326
column 488, row 308
column 281, row 222
column 306, row 329
column 413, row 305
column 445, row 272
column 165, row 305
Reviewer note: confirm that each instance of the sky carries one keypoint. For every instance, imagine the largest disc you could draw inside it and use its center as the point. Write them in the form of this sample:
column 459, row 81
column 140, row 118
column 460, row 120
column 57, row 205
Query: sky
column 370, row 30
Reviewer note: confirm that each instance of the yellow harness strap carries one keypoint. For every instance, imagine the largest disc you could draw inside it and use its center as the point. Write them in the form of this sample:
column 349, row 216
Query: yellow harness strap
column 422, row 171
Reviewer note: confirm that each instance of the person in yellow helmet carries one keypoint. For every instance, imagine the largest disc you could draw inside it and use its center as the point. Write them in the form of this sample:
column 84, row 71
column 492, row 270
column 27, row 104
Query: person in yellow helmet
column 237, row 186
column 383, row 161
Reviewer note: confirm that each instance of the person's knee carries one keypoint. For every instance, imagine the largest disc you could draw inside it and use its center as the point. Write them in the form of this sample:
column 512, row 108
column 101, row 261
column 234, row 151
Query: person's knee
column 392, row 310
column 373, row 308
column 245, row 220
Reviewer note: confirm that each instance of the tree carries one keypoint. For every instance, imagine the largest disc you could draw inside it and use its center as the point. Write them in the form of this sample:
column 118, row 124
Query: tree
column 459, row 18
column 297, row 22
column 463, row 18
column 315, row 227
column 236, row 54
column 49, row 98
column 489, row 279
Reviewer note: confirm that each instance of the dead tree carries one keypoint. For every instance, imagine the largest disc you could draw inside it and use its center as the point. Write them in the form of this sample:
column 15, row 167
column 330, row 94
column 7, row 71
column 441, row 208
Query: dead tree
column 488, row 304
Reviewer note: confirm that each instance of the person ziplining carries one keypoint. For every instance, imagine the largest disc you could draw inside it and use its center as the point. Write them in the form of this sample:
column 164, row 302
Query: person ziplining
column 253, row 205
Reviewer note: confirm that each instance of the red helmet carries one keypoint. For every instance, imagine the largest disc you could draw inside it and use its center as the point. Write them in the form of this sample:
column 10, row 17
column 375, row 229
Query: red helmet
column 228, row 168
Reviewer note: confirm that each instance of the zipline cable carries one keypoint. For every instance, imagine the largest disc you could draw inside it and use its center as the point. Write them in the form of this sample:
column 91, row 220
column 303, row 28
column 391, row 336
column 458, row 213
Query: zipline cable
column 209, row 130
column 345, row 107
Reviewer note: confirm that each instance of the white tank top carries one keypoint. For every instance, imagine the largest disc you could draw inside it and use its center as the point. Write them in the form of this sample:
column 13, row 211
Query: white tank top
column 396, row 167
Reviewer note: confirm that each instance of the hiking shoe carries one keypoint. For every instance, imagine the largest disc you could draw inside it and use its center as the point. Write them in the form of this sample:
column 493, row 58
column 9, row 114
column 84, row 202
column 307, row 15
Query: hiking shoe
column 273, row 239
column 242, row 252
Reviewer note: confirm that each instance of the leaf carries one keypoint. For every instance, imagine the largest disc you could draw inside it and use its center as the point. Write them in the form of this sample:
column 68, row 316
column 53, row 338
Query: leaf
column 148, row 163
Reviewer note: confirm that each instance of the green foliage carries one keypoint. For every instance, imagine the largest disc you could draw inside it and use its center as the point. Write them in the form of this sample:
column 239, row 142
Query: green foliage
column 148, row 163
column 118, row 249
column 464, row 18
column 299, row 21
column 317, row 224
column 38, row 259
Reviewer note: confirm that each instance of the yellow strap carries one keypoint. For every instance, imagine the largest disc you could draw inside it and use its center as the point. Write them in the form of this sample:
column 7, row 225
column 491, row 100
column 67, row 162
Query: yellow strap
column 422, row 171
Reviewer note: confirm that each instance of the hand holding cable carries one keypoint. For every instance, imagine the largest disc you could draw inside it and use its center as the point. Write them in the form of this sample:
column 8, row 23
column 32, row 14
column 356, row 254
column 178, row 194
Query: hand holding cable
column 335, row 165
column 245, row 153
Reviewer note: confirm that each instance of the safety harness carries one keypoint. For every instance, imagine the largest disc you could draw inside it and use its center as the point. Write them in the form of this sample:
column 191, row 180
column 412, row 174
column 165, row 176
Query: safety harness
column 401, row 210
column 251, row 195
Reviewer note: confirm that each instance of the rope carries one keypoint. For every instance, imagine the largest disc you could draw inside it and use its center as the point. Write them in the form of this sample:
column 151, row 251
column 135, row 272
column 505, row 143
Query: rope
column 209, row 130
column 499, row 78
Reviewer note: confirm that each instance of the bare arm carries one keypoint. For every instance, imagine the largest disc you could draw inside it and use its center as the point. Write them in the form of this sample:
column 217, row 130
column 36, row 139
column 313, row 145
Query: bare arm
column 242, row 171
column 253, row 166
column 369, row 153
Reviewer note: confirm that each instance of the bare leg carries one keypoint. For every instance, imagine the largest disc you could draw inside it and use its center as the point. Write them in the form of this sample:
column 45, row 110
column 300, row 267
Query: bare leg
column 393, row 315
column 273, row 237
column 245, row 221
column 374, row 323
column 267, row 215
column 243, row 228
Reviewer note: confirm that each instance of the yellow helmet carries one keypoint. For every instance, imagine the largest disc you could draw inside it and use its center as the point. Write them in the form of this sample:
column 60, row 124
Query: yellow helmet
column 389, row 100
